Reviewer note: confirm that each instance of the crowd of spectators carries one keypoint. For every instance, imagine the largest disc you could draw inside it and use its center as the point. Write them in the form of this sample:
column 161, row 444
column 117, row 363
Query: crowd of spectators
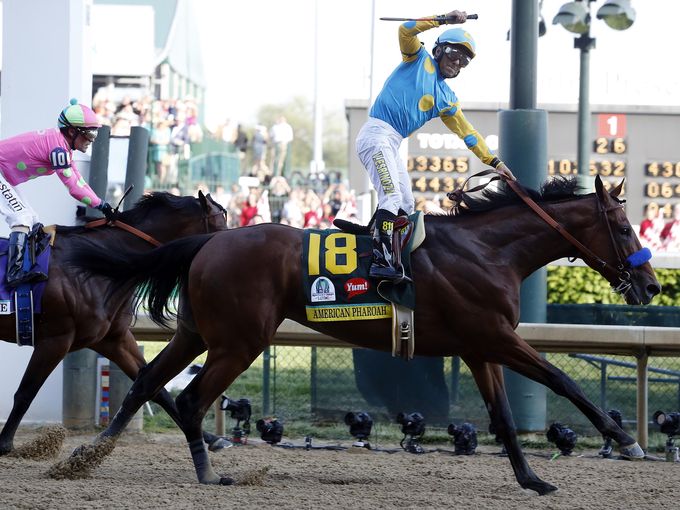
column 300, row 206
column 268, row 191
column 659, row 235
column 263, row 153
column 173, row 126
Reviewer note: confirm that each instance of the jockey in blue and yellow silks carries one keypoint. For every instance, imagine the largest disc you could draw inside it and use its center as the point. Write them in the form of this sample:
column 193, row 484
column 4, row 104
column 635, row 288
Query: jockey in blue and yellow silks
column 414, row 93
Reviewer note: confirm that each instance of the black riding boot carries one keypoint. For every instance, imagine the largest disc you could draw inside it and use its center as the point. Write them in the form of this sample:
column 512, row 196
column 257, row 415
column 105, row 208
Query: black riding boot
column 383, row 267
column 15, row 262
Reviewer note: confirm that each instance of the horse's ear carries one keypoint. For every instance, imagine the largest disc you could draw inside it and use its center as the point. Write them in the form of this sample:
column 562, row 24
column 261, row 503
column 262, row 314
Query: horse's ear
column 617, row 191
column 203, row 200
column 599, row 188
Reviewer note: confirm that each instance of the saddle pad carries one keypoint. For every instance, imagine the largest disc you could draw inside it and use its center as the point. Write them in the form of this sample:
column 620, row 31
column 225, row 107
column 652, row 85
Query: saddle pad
column 335, row 278
column 7, row 294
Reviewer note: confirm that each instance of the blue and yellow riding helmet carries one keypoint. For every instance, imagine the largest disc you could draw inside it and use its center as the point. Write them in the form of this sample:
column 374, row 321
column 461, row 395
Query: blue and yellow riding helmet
column 454, row 36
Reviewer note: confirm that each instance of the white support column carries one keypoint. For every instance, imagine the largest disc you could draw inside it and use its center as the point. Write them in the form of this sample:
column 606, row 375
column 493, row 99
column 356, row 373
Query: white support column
column 45, row 62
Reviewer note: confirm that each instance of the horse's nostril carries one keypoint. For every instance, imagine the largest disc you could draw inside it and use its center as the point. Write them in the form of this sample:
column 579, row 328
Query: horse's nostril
column 653, row 289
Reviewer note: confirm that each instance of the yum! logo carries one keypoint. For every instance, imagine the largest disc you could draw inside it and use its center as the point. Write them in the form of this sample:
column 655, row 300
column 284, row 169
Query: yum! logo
column 356, row 286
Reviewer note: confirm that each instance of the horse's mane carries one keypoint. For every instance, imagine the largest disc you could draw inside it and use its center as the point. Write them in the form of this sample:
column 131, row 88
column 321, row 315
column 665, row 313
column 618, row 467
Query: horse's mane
column 149, row 202
column 554, row 189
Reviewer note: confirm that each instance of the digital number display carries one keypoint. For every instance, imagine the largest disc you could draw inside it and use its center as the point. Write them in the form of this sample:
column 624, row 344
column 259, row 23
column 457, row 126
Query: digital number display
column 662, row 169
column 662, row 183
column 654, row 189
column 437, row 184
column 609, row 146
column 446, row 164
column 666, row 208
column 640, row 144
column 602, row 168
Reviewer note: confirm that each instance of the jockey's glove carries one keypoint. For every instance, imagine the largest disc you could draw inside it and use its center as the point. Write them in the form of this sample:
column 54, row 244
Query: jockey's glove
column 108, row 211
column 505, row 172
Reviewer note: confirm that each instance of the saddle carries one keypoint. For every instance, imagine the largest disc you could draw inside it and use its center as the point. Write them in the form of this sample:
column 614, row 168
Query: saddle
column 403, row 230
column 408, row 234
column 24, row 300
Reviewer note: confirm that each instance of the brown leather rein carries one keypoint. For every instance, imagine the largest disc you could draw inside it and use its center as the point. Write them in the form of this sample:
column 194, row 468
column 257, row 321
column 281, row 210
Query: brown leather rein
column 123, row 226
column 620, row 271
column 135, row 231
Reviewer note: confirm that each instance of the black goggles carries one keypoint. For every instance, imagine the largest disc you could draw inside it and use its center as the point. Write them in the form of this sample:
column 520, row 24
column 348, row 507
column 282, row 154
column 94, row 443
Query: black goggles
column 88, row 134
column 454, row 53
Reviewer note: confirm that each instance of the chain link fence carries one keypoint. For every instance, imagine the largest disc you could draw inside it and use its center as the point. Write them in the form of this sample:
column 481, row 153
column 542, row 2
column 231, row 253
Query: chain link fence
column 320, row 385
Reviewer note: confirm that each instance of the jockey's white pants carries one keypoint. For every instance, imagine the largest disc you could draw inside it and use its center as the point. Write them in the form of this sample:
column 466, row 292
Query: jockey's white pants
column 377, row 146
column 14, row 208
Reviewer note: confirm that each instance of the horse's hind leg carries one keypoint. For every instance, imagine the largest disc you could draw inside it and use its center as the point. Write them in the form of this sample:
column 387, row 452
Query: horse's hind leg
column 489, row 379
column 221, row 368
column 125, row 353
column 46, row 356
column 523, row 359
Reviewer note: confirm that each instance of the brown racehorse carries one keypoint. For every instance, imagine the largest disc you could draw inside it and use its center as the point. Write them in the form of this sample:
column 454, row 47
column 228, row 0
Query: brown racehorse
column 76, row 311
column 241, row 284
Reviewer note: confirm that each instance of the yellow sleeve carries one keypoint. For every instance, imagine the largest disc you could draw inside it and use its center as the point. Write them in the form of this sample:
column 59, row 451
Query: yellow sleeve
column 458, row 124
column 408, row 40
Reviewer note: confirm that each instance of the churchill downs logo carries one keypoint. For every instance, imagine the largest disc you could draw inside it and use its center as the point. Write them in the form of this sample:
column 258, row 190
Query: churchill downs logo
column 11, row 200
column 322, row 290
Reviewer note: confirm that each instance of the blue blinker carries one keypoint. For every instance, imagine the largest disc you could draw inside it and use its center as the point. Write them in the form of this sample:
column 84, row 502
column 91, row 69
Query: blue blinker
column 639, row 257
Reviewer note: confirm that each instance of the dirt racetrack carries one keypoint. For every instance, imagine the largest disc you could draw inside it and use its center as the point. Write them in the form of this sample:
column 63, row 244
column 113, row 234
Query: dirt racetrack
column 155, row 471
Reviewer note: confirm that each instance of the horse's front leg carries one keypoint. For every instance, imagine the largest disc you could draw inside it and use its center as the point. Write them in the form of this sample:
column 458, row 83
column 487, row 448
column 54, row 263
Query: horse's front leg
column 47, row 354
column 182, row 349
column 125, row 353
column 519, row 356
column 489, row 379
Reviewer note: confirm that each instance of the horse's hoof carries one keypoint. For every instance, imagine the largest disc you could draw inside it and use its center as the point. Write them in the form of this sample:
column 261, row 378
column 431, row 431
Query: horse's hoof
column 78, row 451
column 225, row 480
column 4, row 450
column 219, row 444
column 540, row 486
column 632, row 452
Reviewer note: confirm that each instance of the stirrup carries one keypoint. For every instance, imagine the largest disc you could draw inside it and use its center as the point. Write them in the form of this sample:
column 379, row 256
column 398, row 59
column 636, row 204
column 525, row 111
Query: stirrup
column 389, row 273
column 26, row 277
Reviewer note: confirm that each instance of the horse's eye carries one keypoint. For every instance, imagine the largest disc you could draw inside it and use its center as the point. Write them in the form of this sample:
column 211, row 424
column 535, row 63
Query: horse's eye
column 625, row 231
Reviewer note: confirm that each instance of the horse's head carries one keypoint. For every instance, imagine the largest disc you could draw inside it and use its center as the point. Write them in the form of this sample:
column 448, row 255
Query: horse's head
column 166, row 217
column 215, row 215
column 624, row 263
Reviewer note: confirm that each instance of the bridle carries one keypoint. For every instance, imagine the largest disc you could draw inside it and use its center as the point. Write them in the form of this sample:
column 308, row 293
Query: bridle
column 623, row 265
column 622, row 269
column 208, row 216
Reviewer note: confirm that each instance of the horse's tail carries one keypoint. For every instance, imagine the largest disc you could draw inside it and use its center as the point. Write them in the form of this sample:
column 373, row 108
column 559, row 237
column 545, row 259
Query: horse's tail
column 157, row 272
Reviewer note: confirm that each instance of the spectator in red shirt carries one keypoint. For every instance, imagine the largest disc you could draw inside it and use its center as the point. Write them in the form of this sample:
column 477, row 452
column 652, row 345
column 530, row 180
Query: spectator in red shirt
column 249, row 209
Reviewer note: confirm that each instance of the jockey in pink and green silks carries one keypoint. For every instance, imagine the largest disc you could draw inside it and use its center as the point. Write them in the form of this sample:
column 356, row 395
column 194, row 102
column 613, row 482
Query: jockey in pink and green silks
column 30, row 155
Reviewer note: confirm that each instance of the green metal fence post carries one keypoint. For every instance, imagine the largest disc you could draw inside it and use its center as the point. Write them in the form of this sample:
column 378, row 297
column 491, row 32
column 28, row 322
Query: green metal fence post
column 313, row 372
column 80, row 389
column 603, row 385
column 136, row 164
column 99, row 165
column 455, row 379
column 266, row 377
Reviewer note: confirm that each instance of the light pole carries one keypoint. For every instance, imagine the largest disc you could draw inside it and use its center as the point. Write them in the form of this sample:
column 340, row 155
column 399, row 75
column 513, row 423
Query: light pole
column 575, row 17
